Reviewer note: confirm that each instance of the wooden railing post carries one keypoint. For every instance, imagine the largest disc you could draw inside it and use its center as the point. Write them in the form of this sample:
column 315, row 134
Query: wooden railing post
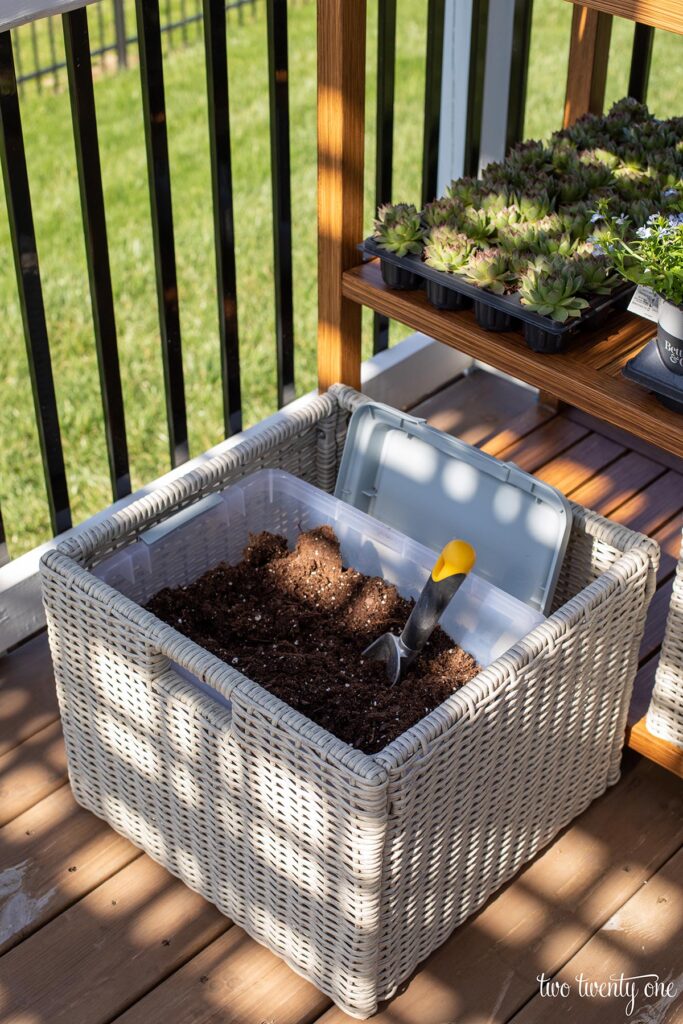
column 588, row 58
column 341, row 141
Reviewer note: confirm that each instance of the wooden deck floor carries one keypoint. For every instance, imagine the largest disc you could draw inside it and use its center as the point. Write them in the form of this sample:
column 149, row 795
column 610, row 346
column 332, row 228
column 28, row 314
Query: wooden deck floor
column 93, row 931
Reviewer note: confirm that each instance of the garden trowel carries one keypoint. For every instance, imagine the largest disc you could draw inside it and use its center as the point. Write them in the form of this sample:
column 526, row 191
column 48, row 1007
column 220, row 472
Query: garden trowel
column 449, row 573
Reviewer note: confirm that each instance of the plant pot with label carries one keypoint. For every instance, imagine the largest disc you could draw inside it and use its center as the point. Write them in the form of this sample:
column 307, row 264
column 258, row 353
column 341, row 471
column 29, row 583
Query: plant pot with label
column 670, row 335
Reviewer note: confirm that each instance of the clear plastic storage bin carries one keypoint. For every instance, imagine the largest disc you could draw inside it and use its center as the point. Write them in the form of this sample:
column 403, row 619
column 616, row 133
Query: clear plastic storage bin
column 482, row 619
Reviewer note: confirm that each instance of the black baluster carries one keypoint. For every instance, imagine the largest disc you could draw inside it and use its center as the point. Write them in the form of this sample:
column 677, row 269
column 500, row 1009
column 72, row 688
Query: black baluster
column 120, row 33
column 154, row 111
column 475, row 91
column 641, row 60
column 280, row 172
column 224, row 229
column 519, row 71
column 432, row 104
column 83, row 115
column 384, row 153
column 29, row 288
column 4, row 551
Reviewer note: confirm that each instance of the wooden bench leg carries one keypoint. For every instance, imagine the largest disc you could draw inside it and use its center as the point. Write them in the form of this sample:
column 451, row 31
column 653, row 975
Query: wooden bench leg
column 341, row 143
column 588, row 57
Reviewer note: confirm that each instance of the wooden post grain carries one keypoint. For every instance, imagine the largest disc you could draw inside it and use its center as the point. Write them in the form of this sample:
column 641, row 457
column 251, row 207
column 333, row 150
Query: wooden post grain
column 588, row 58
column 341, row 140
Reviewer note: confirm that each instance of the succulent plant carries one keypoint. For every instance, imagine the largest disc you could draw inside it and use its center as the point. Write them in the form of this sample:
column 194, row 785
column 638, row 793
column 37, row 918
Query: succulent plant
column 477, row 224
column 517, row 237
column 399, row 229
column 489, row 268
column 551, row 244
column 598, row 276
column 497, row 175
column 596, row 173
column 628, row 110
column 585, row 132
column 552, row 291
column 575, row 219
column 531, row 156
column 573, row 185
column 631, row 185
column 447, row 249
column 496, row 199
column 466, row 190
column 642, row 209
column 534, row 204
column 565, row 158
column 442, row 211
column 505, row 217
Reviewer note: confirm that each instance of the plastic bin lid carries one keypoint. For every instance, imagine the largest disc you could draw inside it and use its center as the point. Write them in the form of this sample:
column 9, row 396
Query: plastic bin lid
column 434, row 487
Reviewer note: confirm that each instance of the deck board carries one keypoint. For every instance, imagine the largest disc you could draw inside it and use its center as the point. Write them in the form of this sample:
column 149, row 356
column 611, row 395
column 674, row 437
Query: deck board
column 32, row 770
column 234, row 980
column 108, row 950
column 643, row 937
column 50, row 857
column 90, row 945
column 20, row 717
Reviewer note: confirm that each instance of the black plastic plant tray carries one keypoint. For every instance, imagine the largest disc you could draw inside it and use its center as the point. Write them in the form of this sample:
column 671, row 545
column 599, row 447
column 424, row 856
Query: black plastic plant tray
column 493, row 312
column 648, row 370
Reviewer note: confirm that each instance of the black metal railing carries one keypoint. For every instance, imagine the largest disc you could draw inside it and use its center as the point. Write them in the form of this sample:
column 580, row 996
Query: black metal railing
column 110, row 37
column 84, row 119
column 212, row 18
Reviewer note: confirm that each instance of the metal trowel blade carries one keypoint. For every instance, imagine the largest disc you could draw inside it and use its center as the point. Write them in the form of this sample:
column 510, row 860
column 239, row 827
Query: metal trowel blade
column 387, row 648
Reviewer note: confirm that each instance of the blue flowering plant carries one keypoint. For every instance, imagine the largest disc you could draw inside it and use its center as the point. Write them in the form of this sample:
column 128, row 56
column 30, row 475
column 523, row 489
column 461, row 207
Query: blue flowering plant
column 650, row 255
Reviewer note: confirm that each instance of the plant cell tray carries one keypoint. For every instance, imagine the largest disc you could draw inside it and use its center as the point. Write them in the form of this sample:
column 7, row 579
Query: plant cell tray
column 493, row 312
column 648, row 370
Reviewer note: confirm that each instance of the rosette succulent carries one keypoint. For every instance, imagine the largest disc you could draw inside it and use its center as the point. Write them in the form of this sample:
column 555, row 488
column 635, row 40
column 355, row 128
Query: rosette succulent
column 496, row 199
column 534, row 204
column 551, row 244
column 447, row 249
column 530, row 156
column 598, row 276
column 575, row 219
column 477, row 224
column 515, row 237
column 552, row 291
column 489, row 268
column 466, row 190
column 573, row 185
column 399, row 229
column 505, row 217
column 442, row 211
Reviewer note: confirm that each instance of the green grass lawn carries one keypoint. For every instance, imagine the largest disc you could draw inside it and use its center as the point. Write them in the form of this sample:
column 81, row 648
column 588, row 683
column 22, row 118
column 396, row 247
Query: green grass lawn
column 49, row 142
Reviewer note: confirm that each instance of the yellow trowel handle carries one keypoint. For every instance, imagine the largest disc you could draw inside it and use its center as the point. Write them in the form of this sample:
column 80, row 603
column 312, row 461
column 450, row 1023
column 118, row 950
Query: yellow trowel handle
column 449, row 573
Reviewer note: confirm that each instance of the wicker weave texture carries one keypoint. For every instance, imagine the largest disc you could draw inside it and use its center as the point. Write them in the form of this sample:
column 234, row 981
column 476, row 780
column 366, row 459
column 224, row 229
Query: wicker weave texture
column 665, row 713
column 351, row 867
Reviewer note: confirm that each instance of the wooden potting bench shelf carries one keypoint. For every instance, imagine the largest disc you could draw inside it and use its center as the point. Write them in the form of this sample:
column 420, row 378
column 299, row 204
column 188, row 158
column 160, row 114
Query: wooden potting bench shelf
column 666, row 14
column 587, row 376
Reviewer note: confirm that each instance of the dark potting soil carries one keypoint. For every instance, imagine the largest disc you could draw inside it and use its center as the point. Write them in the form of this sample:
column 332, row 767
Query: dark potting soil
column 297, row 623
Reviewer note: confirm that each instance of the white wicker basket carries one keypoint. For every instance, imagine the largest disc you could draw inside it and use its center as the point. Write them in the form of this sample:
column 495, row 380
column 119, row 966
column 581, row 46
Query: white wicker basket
column 665, row 713
column 349, row 866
